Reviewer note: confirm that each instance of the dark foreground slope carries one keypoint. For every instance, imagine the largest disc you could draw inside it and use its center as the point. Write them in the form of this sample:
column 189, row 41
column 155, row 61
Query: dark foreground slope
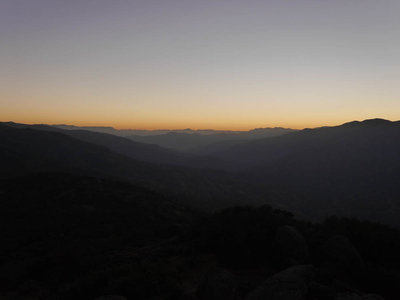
column 352, row 169
column 57, row 229
column 74, row 237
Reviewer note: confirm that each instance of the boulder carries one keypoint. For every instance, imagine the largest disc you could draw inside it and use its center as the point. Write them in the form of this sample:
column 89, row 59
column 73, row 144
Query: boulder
column 320, row 291
column 291, row 245
column 217, row 284
column 348, row 296
column 111, row 297
column 290, row 284
column 341, row 257
column 353, row 296
column 372, row 297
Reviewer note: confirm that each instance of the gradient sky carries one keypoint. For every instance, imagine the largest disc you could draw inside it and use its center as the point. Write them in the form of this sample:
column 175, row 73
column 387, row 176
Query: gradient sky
column 224, row 64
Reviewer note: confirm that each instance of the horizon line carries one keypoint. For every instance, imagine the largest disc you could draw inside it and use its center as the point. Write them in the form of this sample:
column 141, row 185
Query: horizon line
column 95, row 125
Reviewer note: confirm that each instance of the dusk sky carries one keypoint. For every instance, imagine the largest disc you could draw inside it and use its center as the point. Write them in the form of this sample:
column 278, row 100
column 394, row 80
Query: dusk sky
column 201, row 64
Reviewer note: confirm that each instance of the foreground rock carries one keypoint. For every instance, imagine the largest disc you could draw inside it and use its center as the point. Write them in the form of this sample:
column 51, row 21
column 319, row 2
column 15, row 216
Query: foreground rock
column 290, row 284
column 341, row 257
column 291, row 245
column 111, row 297
column 353, row 296
column 218, row 284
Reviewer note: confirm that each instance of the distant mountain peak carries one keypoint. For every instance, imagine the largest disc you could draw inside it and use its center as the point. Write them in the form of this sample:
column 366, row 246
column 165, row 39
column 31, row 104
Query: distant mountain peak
column 369, row 122
column 376, row 121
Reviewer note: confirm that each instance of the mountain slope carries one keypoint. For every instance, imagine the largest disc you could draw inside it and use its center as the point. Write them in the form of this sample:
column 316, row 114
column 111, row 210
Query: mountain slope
column 121, row 145
column 199, row 143
column 79, row 205
column 57, row 229
column 374, row 136
column 26, row 151
column 352, row 169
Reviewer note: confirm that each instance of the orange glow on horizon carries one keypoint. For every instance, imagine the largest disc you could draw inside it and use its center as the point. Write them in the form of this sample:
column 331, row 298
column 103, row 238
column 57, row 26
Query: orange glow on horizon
column 180, row 126
column 136, row 65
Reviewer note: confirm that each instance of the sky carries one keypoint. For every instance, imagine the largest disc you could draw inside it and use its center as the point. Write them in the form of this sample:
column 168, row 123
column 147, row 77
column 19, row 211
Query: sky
column 222, row 64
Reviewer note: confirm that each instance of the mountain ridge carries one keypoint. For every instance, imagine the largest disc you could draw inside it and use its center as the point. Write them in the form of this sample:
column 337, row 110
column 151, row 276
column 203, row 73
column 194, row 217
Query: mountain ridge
column 351, row 169
column 126, row 132
column 30, row 151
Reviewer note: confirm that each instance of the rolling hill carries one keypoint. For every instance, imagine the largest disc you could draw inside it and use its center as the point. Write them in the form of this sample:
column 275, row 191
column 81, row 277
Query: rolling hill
column 197, row 142
column 26, row 151
column 118, row 144
column 352, row 169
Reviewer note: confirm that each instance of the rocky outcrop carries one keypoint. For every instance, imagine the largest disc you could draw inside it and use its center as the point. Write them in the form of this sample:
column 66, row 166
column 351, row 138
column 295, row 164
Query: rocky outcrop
column 290, row 284
column 111, row 297
column 291, row 246
column 341, row 257
column 353, row 296
column 217, row 284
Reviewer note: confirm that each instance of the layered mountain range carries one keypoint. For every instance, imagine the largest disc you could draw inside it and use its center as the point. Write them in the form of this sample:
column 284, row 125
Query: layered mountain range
column 351, row 169
column 93, row 215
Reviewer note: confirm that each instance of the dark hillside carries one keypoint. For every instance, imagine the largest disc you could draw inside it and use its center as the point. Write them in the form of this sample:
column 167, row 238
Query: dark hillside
column 352, row 169
column 26, row 151
column 75, row 237
column 121, row 145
